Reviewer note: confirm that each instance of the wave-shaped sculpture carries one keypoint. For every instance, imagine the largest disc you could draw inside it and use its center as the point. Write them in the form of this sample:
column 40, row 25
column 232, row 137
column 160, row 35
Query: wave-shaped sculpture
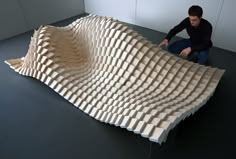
column 116, row 76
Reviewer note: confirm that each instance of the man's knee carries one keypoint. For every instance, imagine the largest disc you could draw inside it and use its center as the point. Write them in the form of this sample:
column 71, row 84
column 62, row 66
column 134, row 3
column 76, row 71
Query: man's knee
column 170, row 48
column 178, row 46
column 203, row 57
column 173, row 49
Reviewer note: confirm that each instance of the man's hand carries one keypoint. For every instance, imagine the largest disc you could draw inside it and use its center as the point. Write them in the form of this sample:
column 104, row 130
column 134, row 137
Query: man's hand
column 185, row 52
column 164, row 42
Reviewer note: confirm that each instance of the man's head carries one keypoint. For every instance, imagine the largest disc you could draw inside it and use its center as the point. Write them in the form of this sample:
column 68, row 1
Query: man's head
column 195, row 14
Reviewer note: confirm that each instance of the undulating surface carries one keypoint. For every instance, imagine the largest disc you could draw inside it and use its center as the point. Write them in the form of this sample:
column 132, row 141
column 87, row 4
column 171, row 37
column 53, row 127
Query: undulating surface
column 36, row 122
column 115, row 75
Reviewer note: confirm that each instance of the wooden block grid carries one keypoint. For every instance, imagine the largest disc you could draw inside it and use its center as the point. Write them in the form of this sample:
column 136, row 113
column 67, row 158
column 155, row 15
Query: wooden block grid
column 116, row 76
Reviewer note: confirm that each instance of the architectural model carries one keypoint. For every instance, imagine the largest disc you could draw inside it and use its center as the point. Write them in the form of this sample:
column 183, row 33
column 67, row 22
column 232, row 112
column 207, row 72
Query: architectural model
column 116, row 76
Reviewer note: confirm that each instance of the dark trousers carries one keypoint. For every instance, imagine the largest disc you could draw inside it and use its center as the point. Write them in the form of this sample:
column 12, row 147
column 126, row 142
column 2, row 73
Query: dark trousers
column 196, row 56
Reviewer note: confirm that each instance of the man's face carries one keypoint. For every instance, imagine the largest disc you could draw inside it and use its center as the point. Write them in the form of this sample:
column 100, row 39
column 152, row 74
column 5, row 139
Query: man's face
column 194, row 20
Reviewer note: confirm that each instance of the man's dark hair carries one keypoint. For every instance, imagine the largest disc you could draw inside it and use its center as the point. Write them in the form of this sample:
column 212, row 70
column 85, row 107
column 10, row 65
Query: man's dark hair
column 195, row 11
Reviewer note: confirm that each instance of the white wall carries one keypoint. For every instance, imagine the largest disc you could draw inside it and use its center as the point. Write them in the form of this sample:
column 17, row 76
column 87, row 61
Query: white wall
column 11, row 18
column 124, row 10
column 18, row 16
column 225, row 33
column 162, row 15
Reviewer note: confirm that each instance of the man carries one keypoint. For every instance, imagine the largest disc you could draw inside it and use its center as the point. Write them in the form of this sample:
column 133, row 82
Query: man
column 197, row 47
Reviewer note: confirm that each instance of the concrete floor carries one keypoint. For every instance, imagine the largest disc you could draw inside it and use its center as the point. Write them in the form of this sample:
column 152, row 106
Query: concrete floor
column 36, row 122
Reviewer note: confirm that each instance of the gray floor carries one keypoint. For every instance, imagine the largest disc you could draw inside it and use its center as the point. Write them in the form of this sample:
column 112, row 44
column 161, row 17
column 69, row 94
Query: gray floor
column 36, row 122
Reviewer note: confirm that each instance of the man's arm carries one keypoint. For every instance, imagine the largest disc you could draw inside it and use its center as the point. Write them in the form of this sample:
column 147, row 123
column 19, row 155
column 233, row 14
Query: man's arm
column 178, row 28
column 206, row 43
